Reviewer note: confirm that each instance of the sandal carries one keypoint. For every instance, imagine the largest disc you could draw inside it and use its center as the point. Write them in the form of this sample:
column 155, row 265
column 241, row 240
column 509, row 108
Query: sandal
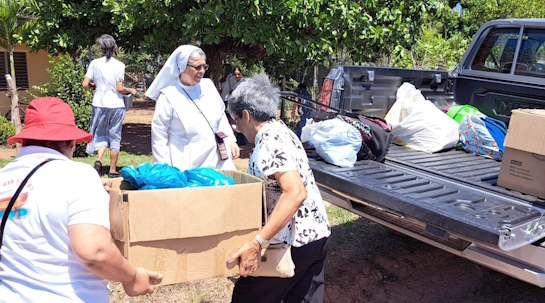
column 98, row 167
column 113, row 175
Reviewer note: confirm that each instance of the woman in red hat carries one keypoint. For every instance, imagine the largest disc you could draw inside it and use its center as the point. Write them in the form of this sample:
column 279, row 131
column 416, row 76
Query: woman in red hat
column 56, row 244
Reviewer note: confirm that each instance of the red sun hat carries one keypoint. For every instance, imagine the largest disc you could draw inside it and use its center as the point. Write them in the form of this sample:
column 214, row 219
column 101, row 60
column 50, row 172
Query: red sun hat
column 50, row 119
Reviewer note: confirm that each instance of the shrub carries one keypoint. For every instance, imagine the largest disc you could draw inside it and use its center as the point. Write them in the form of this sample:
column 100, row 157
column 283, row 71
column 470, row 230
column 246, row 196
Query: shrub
column 65, row 83
column 432, row 51
column 7, row 129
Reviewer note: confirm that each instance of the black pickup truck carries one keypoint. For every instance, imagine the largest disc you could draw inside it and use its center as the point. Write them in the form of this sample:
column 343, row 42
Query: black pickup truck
column 450, row 199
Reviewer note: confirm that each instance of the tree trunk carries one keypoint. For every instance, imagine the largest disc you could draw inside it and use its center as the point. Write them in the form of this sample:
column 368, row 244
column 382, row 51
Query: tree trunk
column 282, row 102
column 343, row 56
column 15, row 117
column 304, row 74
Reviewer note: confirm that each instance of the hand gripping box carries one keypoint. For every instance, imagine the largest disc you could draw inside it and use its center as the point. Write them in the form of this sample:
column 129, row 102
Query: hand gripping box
column 523, row 162
column 188, row 233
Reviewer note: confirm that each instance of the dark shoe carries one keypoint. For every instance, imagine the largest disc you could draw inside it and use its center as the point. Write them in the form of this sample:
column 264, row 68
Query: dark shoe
column 113, row 175
column 98, row 167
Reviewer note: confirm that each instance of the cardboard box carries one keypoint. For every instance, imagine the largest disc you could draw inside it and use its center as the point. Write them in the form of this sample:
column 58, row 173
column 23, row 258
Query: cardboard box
column 188, row 233
column 523, row 163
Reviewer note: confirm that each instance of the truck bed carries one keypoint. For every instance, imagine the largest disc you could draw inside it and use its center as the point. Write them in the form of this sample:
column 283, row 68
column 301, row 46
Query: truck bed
column 457, row 165
column 453, row 193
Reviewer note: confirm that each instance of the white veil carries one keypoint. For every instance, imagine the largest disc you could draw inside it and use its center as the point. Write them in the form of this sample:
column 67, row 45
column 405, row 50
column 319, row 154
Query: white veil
column 175, row 65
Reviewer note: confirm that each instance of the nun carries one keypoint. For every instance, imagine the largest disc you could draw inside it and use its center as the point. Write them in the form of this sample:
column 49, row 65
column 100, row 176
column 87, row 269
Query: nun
column 189, row 127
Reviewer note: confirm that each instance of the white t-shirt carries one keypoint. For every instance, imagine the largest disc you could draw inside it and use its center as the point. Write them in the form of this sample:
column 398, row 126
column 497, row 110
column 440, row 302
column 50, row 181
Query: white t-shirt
column 106, row 73
column 38, row 264
column 227, row 86
column 277, row 149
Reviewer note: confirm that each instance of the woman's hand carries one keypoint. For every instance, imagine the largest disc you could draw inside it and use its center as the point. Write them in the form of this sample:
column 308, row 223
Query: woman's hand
column 142, row 282
column 107, row 185
column 235, row 150
column 248, row 254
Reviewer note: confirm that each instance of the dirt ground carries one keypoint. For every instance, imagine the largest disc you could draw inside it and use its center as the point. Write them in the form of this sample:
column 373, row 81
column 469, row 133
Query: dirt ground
column 366, row 263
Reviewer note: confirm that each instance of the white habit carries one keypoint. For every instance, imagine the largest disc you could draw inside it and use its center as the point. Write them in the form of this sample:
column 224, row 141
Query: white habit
column 181, row 136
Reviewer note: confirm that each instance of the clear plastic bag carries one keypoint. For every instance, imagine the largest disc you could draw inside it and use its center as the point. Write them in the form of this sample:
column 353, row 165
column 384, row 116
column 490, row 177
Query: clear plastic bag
column 335, row 141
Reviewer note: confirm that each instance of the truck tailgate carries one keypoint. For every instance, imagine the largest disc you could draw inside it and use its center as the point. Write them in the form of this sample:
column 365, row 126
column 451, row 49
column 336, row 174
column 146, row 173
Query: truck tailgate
column 445, row 196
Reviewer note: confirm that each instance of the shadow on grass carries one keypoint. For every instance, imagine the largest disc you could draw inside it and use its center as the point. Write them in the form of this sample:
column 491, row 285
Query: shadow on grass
column 136, row 139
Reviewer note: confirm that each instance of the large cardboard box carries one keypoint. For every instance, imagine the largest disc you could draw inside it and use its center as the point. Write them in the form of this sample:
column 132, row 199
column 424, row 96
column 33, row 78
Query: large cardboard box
column 188, row 233
column 523, row 162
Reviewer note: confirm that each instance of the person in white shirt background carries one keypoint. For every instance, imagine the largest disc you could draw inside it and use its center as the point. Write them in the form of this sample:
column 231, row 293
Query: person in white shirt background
column 57, row 245
column 108, row 112
column 189, row 111
column 227, row 81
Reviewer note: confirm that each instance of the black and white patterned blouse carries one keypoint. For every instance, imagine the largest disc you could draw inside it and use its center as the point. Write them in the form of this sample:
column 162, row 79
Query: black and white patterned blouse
column 277, row 149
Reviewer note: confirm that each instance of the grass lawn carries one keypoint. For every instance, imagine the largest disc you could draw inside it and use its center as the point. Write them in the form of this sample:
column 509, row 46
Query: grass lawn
column 124, row 159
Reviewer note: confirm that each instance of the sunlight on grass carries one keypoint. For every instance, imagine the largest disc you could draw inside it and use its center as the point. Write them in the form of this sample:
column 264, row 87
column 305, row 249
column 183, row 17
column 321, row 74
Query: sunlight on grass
column 124, row 159
column 339, row 216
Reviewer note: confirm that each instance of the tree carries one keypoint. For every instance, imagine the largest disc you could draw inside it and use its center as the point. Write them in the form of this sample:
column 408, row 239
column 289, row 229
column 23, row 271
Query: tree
column 13, row 24
column 66, row 26
column 285, row 35
column 288, row 36
column 478, row 12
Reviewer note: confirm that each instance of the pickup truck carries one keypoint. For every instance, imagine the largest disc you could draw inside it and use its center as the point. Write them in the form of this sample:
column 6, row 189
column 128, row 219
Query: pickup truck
column 450, row 199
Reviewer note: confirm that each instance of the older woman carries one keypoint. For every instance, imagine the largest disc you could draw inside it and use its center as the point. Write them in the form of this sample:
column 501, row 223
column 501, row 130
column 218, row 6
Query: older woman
column 293, row 201
column 57, row 245
column 189, row 116
column 108, row 112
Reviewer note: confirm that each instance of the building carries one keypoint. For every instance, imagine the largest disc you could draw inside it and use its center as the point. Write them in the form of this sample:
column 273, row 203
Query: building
column 30, row 69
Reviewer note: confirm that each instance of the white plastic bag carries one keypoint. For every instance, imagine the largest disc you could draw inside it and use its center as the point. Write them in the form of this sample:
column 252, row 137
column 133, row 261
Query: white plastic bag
column 418, row 124
column 337, row 142
column 308, row 129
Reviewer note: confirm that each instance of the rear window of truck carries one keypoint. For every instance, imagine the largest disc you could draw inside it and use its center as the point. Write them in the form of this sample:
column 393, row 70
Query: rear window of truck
column 497, row 52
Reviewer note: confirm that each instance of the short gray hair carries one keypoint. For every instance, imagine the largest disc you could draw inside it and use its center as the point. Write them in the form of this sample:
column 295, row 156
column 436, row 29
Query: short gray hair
column 258, row 96
column 195, row 55
column 107, row 43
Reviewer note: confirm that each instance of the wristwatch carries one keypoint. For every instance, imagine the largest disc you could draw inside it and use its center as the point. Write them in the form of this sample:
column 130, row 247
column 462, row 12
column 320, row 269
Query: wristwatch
column 263, row 243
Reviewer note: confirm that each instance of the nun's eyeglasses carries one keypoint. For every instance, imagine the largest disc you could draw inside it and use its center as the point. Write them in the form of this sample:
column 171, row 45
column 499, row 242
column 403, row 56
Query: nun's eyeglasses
column 198, row 68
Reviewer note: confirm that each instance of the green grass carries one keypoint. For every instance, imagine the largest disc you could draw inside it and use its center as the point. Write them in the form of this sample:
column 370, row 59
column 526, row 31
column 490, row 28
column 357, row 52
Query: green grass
column 124, row 159
column 339, row 216
column 4, row 162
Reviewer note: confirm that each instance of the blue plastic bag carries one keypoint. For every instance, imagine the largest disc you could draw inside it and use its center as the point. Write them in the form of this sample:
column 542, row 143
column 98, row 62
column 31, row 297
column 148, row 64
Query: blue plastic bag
column 154, row 176
column 497, row 129
column 207, row 177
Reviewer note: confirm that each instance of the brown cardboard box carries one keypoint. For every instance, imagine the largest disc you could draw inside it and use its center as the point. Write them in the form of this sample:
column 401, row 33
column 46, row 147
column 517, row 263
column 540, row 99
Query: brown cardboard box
column 188, row 233
column 523, row 163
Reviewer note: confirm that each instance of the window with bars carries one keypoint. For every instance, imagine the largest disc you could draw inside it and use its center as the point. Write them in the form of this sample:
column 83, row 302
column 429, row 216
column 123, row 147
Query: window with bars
column 21, row 70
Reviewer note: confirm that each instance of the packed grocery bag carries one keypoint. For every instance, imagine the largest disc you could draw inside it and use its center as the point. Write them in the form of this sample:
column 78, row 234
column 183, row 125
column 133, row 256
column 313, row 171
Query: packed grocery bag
column 483, row 136
column 335, row 141
column 418, row 124
column 159, row 176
